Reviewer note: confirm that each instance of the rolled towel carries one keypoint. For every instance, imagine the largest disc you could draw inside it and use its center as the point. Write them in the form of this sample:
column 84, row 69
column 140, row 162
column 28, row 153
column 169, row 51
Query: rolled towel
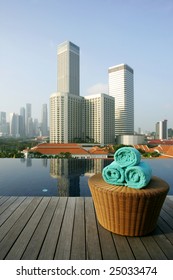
column 127, row 156
column 138, row 176
column 113, row 174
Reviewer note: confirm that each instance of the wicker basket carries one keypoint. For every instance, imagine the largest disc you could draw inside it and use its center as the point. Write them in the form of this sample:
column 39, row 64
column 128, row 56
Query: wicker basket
column 128, row 211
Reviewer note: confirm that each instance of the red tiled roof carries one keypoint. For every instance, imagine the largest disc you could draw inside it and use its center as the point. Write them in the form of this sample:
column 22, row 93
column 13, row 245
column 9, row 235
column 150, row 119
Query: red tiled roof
column 53, row 149
column 166, row 150
column 98, row 151
column 159, row 141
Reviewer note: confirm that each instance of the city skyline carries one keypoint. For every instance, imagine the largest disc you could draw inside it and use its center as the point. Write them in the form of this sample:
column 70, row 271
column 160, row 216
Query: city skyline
column 18, row 111
column 108, row 33
column 22, row 124
column 80, row 118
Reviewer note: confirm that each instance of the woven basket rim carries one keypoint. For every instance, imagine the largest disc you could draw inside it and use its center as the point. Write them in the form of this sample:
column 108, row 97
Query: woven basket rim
column 155, row 185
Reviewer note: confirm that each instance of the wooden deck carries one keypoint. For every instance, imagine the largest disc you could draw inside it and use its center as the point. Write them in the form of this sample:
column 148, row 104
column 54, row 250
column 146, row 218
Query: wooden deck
column 67, row 228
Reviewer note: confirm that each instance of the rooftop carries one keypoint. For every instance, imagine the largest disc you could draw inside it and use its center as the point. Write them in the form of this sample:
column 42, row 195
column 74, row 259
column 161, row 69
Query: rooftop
column 72, row 148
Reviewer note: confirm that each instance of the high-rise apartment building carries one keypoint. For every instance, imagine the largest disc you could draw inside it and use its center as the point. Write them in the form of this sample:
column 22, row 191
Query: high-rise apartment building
column 68, row 68
column 161, row 130
column 121, row 87
column 99, row 118
column 65, row 117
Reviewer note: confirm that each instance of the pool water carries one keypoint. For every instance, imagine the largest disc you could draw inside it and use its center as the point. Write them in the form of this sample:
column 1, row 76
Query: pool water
column 62, row 177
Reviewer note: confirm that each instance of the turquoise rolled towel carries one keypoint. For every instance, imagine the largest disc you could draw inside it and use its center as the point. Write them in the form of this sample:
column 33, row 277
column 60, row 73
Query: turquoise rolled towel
column 138, row 176
column 127, row 156
column 113, row 174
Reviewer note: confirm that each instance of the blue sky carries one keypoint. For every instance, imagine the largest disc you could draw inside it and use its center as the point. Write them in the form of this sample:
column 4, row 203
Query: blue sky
column 108, row 32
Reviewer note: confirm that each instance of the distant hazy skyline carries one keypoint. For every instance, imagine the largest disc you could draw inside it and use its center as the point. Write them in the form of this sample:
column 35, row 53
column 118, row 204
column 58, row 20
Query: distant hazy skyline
column 108, row 32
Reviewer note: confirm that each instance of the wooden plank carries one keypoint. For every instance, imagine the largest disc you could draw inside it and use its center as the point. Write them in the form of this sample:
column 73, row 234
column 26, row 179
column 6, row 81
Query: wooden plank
column 34, row 245
column 166, row 229
column 3, row 199
column 14, row 232
column 107, row 244
column 78, row 239
column 168, row 211
column 11, row 208
column 167, row 217
column 138, row 248
column 164, row 244
column 48, row 248
column 7, row 203
column 169, row 201
column 168, row 207
column 64, row 242
column 152, row 247
column 27, row 232
column 67, row 228
column 93, row 251
column 7, row 225
column 123, row 249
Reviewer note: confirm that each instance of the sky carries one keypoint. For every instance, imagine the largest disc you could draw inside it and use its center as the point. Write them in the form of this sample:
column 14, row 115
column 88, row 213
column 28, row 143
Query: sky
column 108, row 32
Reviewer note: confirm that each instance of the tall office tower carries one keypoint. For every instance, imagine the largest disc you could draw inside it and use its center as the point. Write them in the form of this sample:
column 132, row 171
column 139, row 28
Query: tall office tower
column 68, row 68
column 44, row 125
column 161, row 130
column 66, row 104
column 35, row 127
column 14, row 125
column 28, row 119
column 22, row 122
column 30, row 128
column 3, row 124
column 99, row 118
column 65, row 117
column 122, row 89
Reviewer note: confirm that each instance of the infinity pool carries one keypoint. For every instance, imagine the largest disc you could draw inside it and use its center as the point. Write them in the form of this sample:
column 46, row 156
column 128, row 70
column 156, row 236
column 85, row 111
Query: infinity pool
column 62, row 177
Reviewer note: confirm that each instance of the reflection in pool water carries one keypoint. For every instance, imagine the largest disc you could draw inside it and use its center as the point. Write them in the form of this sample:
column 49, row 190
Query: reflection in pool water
column 62, row 177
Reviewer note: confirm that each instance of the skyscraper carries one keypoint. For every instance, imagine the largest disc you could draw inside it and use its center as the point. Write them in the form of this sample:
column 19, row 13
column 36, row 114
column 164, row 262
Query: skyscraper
column 122, row 89
column 14, row 125
column 3, row 124
column 99, row 118
column 22, row 126
column 28, row 119
column 28, row 110
column 68, row 68
column 44, row 125
column 161, row 130
column 65, row 117
column 66, row 104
